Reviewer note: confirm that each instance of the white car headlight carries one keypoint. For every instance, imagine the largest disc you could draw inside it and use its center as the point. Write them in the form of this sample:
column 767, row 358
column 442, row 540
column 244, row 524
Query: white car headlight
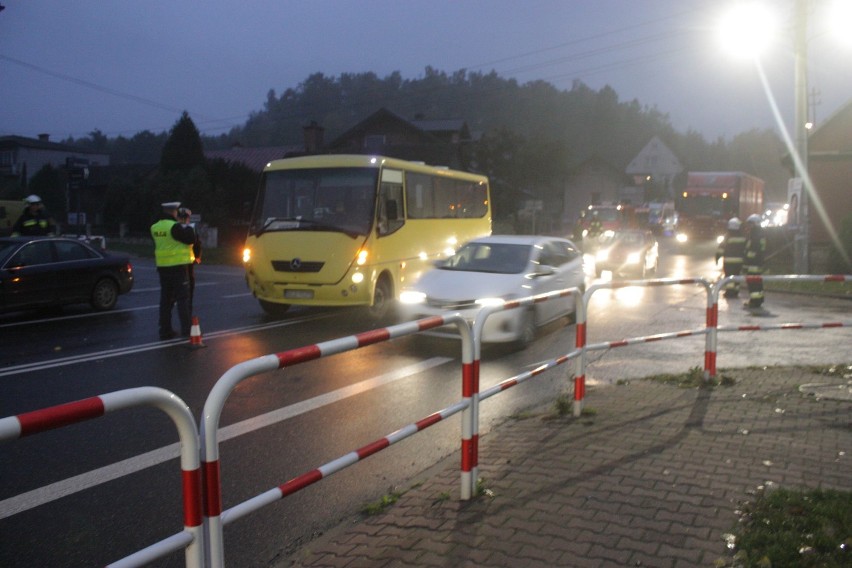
column 633, row 258
column 490, row 302
column 602, row 254
column 412, row 297
column 681, row 237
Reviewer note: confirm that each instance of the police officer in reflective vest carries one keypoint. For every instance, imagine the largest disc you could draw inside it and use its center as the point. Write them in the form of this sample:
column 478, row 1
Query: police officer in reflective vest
column 755, row 252
column 173, row 254
column 732, row 251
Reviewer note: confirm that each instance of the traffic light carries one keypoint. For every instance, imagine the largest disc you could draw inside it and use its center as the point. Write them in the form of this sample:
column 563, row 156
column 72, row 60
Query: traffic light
column 78, row 172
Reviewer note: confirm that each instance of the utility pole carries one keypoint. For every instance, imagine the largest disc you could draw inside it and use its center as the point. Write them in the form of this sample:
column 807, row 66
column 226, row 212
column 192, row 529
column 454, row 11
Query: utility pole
column 800, row 48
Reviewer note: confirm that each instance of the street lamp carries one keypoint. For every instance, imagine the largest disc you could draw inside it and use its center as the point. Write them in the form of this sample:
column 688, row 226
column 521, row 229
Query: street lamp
column 746, row 31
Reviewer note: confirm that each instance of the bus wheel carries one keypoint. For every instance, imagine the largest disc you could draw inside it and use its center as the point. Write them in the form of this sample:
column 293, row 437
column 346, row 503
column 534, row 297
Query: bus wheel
column 274, row 310
column 382, row 310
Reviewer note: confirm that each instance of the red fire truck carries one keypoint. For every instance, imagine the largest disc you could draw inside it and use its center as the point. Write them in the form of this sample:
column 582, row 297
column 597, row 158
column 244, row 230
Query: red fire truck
column 711, row 198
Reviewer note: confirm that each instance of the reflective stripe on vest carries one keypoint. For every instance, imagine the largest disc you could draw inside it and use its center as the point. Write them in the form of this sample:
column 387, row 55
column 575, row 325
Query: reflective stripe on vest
column 167, row 250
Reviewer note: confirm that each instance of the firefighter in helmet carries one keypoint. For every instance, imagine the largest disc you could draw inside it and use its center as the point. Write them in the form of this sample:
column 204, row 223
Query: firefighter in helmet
column 732, row 251
column 755, row 255
column 35, row 220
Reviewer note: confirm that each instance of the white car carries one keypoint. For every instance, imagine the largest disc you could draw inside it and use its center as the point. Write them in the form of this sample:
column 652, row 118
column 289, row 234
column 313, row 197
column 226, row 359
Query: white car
column 494, row 269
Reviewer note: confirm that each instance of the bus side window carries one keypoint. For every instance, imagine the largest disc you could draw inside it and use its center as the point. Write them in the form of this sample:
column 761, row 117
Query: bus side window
column 390, row 209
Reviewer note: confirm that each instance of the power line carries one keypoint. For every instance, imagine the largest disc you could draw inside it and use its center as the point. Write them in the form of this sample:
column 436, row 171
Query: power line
column 609, row 49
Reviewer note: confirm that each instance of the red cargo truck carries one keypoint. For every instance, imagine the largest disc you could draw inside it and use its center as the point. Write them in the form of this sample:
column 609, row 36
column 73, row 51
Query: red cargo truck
column 711, row 198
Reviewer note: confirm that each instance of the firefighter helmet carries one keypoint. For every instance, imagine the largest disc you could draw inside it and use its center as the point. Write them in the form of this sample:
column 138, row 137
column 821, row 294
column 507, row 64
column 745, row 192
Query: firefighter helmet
column 734, row 224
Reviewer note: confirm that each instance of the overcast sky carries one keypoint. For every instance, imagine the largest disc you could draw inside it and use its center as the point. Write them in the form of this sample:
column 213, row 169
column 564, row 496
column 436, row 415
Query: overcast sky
column 72, row 66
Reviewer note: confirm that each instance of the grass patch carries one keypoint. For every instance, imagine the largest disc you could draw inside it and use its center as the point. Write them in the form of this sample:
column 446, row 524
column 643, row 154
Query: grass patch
column 482, row 490
column 564, row 405
column 693, row 378
column 843, row 371
column 783, row 527
column 376, row 507
column 843, row 289
column 522, row 415
column 443, row 496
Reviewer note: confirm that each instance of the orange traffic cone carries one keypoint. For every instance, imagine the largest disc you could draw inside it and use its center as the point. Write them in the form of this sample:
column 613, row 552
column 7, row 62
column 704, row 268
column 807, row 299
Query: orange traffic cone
column 195, row 335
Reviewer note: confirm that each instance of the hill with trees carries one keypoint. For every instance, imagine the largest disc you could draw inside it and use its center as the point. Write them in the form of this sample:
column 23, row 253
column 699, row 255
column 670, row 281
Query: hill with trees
column 525, row 133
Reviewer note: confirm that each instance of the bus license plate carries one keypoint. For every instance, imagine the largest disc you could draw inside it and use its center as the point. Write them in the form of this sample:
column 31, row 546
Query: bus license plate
column 299, row 294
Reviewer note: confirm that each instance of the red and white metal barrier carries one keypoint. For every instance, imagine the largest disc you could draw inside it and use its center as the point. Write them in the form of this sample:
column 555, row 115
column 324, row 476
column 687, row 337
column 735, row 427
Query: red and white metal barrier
column 311, row 477
column 580, row 379
column 192, row 536
column 479, row 326
column 713, row 315
column 214, row 518
column 202, row 538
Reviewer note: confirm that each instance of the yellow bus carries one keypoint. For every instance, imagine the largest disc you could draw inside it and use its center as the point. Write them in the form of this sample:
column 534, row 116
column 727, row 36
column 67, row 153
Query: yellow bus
column 350, row 230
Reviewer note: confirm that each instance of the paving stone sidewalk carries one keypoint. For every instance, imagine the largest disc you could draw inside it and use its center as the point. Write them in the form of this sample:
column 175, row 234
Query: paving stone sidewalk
column 651, row 475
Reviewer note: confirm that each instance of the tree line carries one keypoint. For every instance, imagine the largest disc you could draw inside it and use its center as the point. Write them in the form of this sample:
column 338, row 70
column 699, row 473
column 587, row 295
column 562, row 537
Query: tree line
column 528, row 136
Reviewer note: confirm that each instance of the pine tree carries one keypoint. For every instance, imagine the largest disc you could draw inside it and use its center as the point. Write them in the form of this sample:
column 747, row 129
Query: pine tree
column 183, row 150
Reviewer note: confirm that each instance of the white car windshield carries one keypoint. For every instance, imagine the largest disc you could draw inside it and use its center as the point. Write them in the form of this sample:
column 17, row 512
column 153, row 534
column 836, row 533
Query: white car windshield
column 499, row 258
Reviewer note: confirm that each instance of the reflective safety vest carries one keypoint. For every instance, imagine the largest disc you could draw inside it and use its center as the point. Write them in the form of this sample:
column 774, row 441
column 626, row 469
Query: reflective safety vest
column 732, row 249
column 167, row 250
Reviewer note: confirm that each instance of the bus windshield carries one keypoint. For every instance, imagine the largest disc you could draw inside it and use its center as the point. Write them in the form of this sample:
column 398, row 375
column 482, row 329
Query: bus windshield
column 321, row 199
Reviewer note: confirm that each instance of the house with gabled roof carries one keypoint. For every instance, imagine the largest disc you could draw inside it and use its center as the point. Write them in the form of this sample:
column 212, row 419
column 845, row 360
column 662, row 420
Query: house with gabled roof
column 437, row 142
column 655, row 164
column 830, row 170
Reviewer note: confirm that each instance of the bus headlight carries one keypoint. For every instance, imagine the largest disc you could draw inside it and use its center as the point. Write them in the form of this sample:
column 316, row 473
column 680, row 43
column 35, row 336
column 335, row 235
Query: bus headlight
column 358, row 277
column 412, row 297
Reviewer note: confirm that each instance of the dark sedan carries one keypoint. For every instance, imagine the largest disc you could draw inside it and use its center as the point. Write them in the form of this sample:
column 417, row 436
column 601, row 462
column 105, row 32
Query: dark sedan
column 40, row 272
column 630, row 252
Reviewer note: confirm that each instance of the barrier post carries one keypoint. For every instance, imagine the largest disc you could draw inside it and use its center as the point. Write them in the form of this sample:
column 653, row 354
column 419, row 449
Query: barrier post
column 580, row 345
column 470, row 415
column 712, row 324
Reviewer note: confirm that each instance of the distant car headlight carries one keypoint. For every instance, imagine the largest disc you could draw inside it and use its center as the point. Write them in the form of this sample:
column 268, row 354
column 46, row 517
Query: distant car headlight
column 681, row 237
column 412, row 297
column 633, row 258
column 602, row 255
column 490, row 302
column 719, row 239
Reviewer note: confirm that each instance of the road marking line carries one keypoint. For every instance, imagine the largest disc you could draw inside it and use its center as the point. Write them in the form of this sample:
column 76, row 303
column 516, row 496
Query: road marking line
column 43, row 495
column 118, row 352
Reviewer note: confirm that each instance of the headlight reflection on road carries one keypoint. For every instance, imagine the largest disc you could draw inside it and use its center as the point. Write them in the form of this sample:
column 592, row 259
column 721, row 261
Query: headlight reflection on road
column 677, row 268
column 631, row 296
